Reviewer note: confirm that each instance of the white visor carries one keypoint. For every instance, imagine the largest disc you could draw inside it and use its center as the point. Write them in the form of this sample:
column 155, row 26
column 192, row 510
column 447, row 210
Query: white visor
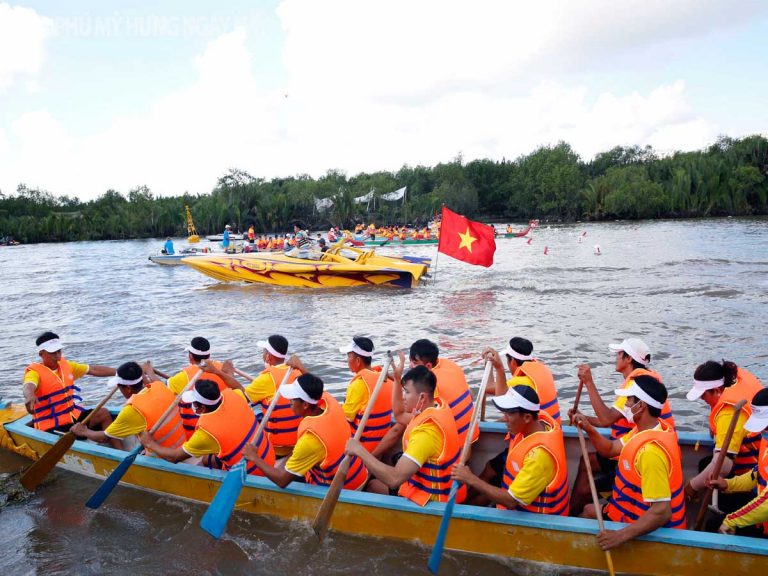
column 516, row 355
column 512, row 399
column 293, row 391
column 118, row 381
column 50, row 346
column 758, row 420
column 701, row 386
column 640, row 394
column 352, row 347
column 194, row 396
column 266, row 345
column 197, row 352
column 636, row 348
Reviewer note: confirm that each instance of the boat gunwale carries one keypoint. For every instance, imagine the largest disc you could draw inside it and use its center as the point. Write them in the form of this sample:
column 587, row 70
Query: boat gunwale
column 688, row 538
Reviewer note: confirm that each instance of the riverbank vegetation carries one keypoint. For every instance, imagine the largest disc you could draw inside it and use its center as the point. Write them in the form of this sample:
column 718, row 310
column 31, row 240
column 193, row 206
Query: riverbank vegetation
column 553, row 182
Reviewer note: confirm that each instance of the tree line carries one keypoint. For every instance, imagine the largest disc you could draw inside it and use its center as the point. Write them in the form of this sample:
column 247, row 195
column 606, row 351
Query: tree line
column 729, row 177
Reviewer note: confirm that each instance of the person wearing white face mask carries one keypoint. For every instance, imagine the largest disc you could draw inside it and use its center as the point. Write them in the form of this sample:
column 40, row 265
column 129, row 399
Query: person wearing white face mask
column 632, row 359
column 755, row 513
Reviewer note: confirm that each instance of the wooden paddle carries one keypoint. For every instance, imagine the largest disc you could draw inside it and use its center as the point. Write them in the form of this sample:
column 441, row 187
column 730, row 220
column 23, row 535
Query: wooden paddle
column 39, row 470
column 437, row 549
column 323, row 516
column 593, row 489
column 702, row 515
column 103, row 491
column 215, row 519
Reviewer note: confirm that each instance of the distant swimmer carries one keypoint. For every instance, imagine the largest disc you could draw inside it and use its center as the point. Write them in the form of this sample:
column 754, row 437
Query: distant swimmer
column 598, row 251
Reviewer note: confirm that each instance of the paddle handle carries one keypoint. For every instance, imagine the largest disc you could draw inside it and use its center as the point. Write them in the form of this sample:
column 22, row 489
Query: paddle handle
column 578, row 396
column 244, row 375
column 595, row 498
column 701, row 516
column 99, row 406
column 324, row 513
column 476, row 412
column 172, row 406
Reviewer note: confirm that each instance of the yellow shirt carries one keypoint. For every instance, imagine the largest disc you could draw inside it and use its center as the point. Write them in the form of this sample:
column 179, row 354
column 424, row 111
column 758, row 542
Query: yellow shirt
column 425, row 443
column 622, row 400
column 537, row 472
column 178, row 382
column 307, row 453
column 520, row 381
column 262, row 388
column 128, row 422
column 755, row 511
column 653, row 467
column 78, row 371
column 722, row 422
column 357, row 398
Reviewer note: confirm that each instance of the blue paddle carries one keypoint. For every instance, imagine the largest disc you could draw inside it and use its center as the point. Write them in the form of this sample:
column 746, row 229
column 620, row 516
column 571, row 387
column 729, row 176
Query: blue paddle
column 103, row 491
column 215, row 519
column 437, row 550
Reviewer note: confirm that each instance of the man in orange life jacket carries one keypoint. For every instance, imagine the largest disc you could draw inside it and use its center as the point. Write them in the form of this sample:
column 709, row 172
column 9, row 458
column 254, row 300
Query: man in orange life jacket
column 359, row 352
column 50, row 394
column 536, row 471
column 431, row 445
column 147, row 400
column 752, row 518
column 632, row 359
column 225, row 425
column 322, row 435
column 648, row 488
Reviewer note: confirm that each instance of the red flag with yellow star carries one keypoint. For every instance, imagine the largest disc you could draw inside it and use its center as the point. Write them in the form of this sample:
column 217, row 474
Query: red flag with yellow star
column 466, row 240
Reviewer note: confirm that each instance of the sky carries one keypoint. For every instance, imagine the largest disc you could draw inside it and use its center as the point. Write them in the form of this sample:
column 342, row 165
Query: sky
column 171, row 94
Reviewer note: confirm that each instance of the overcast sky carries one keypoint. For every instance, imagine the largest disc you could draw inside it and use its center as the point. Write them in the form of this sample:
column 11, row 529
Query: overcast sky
column 108, row 94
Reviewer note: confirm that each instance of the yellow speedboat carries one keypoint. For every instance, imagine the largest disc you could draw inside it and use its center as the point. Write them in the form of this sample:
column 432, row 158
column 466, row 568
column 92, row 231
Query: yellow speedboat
column 334, row 269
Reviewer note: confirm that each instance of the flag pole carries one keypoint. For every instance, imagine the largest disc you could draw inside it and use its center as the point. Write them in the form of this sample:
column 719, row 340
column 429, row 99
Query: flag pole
column 439, row 239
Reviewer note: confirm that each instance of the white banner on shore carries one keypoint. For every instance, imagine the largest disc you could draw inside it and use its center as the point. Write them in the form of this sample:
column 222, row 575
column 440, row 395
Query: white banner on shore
column 323, row 204
column 396, row 195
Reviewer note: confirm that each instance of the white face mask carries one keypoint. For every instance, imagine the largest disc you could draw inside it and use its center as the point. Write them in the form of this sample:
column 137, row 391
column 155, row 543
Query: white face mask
column 629, row 414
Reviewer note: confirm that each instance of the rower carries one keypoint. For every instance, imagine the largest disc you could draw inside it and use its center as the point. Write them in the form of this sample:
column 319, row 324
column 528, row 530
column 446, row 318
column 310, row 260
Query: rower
column 359, row 353
column 632, row 359
column 226, row 424
column 722, row 386
column 147, row 400
column 752, row 518
column 648, row 493
column 536, row 471
column 198, row 351
column 431, row 444
column 50, row 394
column 283, row 423
column 322, row 435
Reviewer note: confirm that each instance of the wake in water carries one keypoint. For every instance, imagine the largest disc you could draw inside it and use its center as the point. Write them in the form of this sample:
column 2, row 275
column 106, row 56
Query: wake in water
column 11, row 490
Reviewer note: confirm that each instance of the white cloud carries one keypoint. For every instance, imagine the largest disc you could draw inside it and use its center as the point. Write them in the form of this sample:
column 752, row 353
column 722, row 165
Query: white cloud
column 23, row 34
column 376, row 86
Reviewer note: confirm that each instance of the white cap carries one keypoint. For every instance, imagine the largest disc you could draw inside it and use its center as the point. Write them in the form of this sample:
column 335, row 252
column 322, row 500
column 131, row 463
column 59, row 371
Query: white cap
column 268, row 347
column 194, row 396
column 293, row 391
column 51, row 346
column 117, row 380
column 513, row 399
column 509, row 351
column 353, row 347
column 636, row 348
column 758, row 420
column 197, row 352
column 701, row 386
column 639, row 393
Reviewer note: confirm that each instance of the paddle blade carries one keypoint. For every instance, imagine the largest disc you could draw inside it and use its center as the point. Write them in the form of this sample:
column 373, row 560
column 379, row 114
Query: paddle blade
column 103, row 491
column 323, row 516
column 437, row 550
column 215, row 519
column 39, row 470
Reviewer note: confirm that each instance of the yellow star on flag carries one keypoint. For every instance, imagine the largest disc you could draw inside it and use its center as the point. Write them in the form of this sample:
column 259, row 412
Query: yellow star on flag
column 466, row 240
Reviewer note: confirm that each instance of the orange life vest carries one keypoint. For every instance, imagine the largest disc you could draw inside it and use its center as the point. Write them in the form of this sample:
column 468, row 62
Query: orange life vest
column 622, row 425
column 186, row 410
column 233, row 424
column 151, row 403
column 380, row 419
column 332, row 429
column 55, row 399
column 762, row 471
column 544, row 384
column 554, row 499
column 283, row 423
column 745, row 388
column 626, row 503
column 452, row 387
column 433, row 480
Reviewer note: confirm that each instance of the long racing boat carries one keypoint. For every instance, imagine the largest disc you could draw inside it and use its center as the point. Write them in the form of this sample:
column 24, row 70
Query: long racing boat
column 548, row 540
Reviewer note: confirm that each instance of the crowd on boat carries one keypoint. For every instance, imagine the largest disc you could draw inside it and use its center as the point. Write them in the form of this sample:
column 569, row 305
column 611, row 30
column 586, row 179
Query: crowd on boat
column 418, row 420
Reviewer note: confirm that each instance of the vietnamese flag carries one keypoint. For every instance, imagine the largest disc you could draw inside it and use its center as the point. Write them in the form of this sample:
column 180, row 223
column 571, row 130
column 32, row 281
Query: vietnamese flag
column 466, row 240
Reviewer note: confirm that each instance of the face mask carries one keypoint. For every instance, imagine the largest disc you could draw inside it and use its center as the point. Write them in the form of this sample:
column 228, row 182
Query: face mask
column 629, row 414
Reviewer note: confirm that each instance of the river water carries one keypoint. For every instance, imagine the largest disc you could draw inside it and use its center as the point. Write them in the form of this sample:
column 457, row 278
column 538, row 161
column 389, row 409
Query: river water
column 693, row 290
